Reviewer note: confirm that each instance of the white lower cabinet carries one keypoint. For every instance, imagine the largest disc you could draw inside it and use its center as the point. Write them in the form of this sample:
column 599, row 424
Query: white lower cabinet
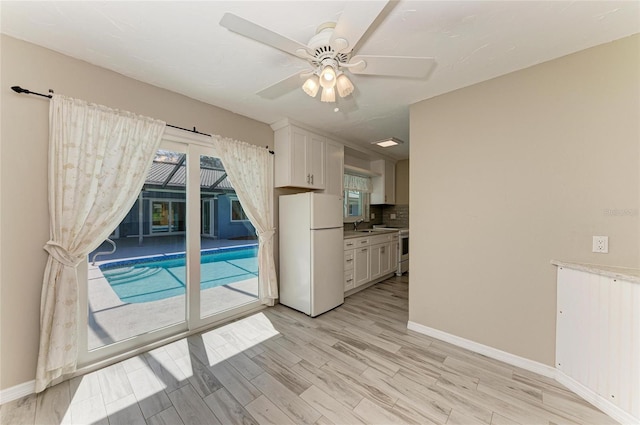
column 369, row 258
column 393, row 255
column 349, row 282
column 385, row 258
column 362, row 266
column 380, row 260
column 376, row 264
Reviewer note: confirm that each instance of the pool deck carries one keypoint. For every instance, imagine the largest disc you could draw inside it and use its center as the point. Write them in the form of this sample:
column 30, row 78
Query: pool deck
column 111, row 320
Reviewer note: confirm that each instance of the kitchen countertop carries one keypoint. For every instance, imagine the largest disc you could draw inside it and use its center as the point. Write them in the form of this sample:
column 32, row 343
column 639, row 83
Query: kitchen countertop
column 349, row 234
column 621, row 273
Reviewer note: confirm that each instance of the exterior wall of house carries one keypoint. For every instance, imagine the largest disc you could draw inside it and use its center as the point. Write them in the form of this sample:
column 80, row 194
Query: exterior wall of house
column 226, row 228
column 129, row 226
column 24, row 220
column 511, row 173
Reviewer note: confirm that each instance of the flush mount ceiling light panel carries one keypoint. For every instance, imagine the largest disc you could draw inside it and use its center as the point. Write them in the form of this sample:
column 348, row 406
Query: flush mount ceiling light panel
column 330, row 53
column 386, row 143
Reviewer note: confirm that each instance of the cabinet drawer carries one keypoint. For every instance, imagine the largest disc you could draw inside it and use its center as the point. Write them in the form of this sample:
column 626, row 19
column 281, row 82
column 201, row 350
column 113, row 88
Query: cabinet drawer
column 349, row 282
column 350, row 243
column 387, row 237
column 353, row 243
column 362, row 242
column 348, row 259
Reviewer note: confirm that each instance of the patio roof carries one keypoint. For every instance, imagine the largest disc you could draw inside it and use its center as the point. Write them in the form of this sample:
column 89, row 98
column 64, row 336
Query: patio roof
column 168, row 174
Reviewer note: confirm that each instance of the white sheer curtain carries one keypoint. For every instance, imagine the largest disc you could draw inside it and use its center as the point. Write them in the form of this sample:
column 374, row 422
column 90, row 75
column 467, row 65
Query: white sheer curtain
column 359, row 183
column 250, row 171
column 98, row 160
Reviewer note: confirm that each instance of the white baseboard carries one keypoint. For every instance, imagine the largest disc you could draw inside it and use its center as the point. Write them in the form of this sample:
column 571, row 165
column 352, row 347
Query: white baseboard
column 494, row 353
column 18, row 391
column 597, row 400
column 540, row 368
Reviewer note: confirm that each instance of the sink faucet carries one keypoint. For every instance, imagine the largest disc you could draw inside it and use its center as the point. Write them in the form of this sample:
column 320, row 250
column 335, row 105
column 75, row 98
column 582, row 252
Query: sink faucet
column 355, row 224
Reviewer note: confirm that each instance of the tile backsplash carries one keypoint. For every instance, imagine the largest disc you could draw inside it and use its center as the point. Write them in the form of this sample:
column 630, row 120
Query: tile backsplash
column 401, row 215
column 383, row 216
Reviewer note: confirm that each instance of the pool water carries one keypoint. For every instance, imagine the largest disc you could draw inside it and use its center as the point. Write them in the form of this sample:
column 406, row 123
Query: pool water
column 156, row 278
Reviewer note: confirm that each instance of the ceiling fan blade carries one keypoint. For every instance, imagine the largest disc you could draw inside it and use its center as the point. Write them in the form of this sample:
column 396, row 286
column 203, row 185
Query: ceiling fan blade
column 263, row 35
column 354, row 22
column 284, row 86
column 394, row 66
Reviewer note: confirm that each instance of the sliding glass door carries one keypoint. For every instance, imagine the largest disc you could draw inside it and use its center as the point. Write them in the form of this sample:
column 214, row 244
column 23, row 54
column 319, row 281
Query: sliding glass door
column 185, row 257
column 228, row 264
column 168, row 216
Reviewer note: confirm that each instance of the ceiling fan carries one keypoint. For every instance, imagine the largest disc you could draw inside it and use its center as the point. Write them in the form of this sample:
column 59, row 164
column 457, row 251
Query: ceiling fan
column 330, row 53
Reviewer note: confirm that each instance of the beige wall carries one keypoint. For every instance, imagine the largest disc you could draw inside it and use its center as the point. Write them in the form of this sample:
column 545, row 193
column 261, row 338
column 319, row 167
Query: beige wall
column 514, row 172
column 402, row 182
column 23, row 173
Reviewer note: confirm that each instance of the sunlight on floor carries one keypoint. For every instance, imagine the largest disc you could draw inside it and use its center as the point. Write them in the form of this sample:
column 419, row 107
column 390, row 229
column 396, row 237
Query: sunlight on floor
column 198, row 359
column 227, row 341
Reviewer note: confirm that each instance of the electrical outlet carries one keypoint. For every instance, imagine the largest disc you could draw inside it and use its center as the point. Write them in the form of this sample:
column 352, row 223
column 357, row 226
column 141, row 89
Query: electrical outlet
column 392, row 216
column 373, row 216
column 601, row 244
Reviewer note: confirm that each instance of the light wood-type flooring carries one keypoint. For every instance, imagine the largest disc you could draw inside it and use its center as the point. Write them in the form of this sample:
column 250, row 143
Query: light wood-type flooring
column 356, row 364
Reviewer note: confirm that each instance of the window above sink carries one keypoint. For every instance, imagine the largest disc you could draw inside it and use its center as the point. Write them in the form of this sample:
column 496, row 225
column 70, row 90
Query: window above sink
column 356, row 198
column 355, row 205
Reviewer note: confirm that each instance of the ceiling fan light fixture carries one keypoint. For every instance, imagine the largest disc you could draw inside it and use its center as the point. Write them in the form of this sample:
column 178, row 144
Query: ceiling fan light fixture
column 328, row 77
column 344, row 85
column 385, row 143
column 311, row 86
column 328, row 94
column 331, row 51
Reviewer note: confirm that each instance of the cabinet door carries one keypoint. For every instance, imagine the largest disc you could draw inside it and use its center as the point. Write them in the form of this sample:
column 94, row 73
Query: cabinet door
column 362, row 268
column 349, row 259
column 393, row 255
column 300, row 173
column 300, row 159
column 384, row 185
column 375, row 261
column 349, row 281
column 385, row 259
column 316, row 160
column 335, row 169
column 389, row 183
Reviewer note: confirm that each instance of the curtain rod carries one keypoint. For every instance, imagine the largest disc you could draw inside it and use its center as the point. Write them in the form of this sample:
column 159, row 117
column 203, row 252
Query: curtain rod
column 20, row 90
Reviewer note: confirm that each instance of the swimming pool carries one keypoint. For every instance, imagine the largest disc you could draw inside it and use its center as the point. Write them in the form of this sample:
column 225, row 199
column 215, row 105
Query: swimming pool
column 140, row 280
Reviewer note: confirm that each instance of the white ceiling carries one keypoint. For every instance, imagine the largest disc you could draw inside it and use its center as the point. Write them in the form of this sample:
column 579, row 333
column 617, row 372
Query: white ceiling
column 181, row 47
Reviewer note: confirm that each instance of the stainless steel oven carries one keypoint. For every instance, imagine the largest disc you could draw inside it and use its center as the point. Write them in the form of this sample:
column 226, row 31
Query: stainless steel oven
column 403, row 252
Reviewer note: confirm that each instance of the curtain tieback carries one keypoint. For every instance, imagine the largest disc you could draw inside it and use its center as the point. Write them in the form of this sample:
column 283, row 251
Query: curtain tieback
column 266, row 235
column 61, row 255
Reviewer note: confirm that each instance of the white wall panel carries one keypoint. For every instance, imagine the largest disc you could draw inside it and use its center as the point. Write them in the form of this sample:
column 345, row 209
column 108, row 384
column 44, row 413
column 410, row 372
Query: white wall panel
column 598, row 335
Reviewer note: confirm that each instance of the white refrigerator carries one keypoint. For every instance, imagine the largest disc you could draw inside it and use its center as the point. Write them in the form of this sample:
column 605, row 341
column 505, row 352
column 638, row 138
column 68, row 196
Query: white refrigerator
column 311, row 252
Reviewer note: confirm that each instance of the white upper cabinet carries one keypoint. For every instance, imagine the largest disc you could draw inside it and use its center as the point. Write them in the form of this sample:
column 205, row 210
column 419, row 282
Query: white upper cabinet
column 384, row 185
column 300, row 158
column 316, row 160
column 335, row 168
